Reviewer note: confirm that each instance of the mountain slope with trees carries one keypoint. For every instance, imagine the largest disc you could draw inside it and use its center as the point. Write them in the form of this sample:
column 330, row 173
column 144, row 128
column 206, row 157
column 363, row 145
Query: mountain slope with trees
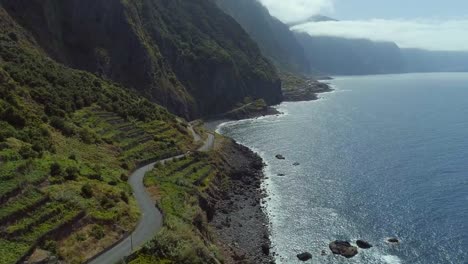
column 68, row 141
column 186, row 55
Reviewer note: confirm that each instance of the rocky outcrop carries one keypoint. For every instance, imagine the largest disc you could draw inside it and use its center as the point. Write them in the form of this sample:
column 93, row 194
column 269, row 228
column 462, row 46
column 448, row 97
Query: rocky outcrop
column 280, row 157
column 306, row 91
column 363, row 244
column 42, row 257
column 343, row 248
column 251, row 110
column 304, row 256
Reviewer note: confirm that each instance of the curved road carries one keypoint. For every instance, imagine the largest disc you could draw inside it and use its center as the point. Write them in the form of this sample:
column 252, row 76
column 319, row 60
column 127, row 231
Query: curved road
column 151, row 220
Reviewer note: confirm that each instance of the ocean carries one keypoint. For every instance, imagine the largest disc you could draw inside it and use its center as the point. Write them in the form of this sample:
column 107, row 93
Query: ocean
column 381, row 156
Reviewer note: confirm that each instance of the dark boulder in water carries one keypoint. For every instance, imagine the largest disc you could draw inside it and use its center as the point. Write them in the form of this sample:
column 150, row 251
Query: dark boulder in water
column 266, row 249
column 304, row 256
column 393, row 240
column 363, row 244
column 343, row 248
column 280, row 157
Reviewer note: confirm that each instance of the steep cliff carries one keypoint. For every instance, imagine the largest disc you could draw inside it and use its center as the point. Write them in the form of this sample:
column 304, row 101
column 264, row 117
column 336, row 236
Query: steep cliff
column 274, row 37
column 341, row 56
column 186, row 55
column 418, row 60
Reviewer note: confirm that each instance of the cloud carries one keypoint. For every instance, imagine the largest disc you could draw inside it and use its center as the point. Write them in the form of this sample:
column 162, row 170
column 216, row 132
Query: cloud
column 297, row 10
column 419, row 33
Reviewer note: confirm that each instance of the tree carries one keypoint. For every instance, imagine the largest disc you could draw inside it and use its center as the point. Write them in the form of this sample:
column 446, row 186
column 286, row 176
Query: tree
column 55, row 169
column 71, row 173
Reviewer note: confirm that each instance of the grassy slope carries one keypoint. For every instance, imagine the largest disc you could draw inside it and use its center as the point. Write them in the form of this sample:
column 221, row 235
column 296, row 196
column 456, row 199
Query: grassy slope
column 68, row 140
column 180, row 187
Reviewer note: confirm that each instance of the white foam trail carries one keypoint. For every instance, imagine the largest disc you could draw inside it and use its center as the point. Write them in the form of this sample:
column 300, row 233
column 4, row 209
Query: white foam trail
column 390, row 259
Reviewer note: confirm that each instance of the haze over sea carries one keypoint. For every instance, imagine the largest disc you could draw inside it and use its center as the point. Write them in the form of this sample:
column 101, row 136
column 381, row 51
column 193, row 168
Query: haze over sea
column 381, row 156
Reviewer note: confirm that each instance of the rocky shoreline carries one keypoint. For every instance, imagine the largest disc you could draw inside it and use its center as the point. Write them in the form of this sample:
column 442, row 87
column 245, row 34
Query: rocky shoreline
column 239, row 221
column 307, row 92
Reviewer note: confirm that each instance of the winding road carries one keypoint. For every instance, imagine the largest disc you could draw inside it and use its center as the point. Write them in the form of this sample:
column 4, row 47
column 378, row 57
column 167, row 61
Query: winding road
column 151, row 218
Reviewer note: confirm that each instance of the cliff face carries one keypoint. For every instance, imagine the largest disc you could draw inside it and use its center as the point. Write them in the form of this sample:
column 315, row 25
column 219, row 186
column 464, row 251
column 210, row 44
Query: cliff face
column 418, row 60
column 274, row 37
column 186, row 55
column 341, row 56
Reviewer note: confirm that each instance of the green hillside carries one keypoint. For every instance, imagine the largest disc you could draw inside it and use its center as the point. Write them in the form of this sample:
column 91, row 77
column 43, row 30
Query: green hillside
column 186, row 55
column 68, row 141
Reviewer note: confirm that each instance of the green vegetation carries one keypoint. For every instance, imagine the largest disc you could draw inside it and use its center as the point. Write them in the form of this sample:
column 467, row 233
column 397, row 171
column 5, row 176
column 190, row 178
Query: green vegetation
column 292, row 81
column 68, row 141
column 250, row 108
column 11, row 250
column 186, row 236
column 20, row 205
column 186, row 55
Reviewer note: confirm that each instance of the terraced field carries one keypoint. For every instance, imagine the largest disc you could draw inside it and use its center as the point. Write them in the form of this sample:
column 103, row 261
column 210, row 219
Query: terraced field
column 192, row 171
column 178, row 186
column 28, row 218
column 137, row 140
column 75, row 201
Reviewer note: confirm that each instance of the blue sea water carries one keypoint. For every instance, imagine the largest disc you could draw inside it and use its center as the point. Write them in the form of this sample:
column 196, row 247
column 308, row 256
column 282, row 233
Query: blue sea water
column 381, row 156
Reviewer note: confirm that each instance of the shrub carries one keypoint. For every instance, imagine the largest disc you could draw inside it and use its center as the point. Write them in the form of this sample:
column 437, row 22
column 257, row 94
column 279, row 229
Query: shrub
column 27, row 152
column 62, row 125
column 6, row 131
column 123, row 177
column 51, row 246
column 72, row 156
column 80, row 237
column 87, row 136
column 13, row 36
column 124, row 166
column 71, row 173
column 113, row 183
column 55, row 169
column 87, row 191
column 124, row 196
column 95, row 176
column 13, row 117
column 107, row 203
column 98, row 232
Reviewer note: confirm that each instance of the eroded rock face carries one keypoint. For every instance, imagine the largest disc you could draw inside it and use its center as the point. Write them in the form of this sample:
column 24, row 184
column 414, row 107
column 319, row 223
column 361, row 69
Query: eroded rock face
column 304, row 256
column 343, row 248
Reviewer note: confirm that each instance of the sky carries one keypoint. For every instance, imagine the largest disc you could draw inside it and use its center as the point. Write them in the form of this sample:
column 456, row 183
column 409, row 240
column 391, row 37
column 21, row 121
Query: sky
column 426, row 24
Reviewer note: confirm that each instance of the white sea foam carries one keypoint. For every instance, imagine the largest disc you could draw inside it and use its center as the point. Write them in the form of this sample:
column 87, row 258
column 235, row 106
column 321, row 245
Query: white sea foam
column 390, row 259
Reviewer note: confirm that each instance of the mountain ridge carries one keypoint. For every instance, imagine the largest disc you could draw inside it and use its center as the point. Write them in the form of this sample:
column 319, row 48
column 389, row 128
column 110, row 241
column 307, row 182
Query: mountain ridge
column 274, row 38
column 156, row 47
